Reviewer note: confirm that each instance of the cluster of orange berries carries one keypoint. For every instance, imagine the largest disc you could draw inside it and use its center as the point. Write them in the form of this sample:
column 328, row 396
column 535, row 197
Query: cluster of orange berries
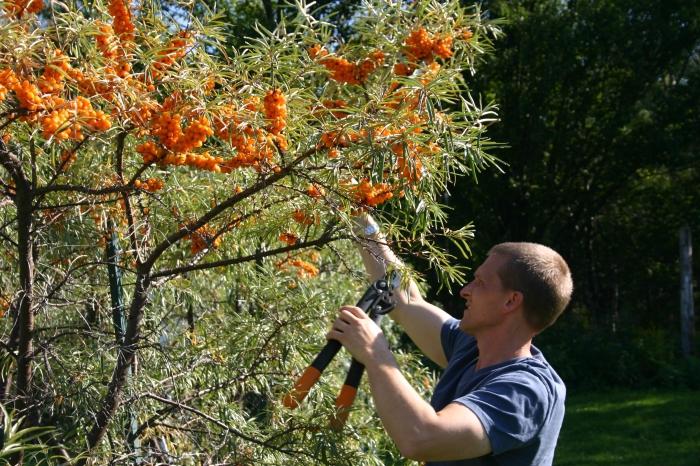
column 174, row 51
column 106, row 42
column 122, row 25
column 369, row 194
column 420, row 45
column 315, row 191
column 28, row 96
column 275, row 110
column 154, row 153
column 331, row 141
column 255, row 147
column 345, row 71
column 204, row 237
column 151, row 184
column 289, row 238
column 8, row 82
column 17, row 8
column 168, row 129
column 51, row 81
column 4, row 306
column 68, row 157
column 66, row 122
column 110, row 48
column 303, row 268
column 303, row 218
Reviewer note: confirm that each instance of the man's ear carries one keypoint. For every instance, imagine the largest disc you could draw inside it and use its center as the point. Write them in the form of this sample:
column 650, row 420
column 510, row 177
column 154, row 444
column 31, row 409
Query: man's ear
column 514, row 301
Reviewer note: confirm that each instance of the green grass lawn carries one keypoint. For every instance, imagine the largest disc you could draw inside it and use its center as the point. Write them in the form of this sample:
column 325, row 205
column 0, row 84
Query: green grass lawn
column 659, row 428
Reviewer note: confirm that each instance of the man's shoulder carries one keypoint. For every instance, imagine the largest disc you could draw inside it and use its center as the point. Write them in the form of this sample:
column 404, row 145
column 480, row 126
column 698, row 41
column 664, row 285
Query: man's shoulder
column 533, row 374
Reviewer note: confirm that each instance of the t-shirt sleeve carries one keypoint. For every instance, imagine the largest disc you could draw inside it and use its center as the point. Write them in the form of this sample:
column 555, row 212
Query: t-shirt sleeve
column 449, row 335
column 512, row 408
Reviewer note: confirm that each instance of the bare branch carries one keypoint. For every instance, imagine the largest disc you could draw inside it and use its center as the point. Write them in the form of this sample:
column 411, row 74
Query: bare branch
column 238, row 260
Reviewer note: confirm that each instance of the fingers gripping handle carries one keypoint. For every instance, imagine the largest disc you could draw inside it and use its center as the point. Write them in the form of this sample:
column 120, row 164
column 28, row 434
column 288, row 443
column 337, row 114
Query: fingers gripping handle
column 376, row 301
column 347, row 394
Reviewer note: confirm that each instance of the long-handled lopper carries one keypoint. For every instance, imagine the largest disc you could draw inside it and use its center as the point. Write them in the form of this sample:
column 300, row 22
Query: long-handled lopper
column 376, row 301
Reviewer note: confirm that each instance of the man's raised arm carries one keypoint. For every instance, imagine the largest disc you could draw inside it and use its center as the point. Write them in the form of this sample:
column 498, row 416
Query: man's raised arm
column 421, row 320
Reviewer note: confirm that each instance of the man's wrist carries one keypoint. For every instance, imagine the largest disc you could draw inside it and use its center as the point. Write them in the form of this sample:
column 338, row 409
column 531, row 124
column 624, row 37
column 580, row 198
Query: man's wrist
column 366, row 227
column 371, row 230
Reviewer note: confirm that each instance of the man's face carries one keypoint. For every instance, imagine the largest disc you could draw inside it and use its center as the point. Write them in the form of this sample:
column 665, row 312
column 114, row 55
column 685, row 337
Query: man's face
column 485, row 296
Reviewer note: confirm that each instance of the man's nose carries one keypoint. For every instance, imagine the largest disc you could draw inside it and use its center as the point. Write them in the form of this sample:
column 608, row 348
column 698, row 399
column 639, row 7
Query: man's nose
column 464, row 292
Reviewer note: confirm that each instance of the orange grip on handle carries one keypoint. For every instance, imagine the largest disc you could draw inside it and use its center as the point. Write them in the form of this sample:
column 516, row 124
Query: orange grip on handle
column 342, row 404
column 301, row 387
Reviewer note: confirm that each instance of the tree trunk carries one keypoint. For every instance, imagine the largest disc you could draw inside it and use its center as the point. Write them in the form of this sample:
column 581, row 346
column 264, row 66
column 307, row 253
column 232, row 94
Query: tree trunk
column 25, row 318
column 687, row 310
column 127, row 352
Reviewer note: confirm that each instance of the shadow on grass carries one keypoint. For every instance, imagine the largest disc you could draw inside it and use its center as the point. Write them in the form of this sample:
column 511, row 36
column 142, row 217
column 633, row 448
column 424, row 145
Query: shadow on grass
column 659, row 428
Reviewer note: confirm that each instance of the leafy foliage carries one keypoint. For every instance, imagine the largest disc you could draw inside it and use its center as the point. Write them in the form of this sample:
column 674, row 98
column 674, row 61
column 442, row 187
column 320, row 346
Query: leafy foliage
column 218, row 186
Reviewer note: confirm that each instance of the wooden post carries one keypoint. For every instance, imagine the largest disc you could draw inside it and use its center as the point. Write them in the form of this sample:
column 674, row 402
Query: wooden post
column 687, row 310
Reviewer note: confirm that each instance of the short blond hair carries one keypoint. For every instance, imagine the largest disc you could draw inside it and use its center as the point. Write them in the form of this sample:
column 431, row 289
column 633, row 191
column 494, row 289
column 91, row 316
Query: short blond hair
column 541, row 275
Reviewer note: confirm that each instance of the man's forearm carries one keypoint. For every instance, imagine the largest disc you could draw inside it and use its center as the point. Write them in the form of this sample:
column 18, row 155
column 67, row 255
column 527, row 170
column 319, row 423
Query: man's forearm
column 405, row 415
column 420, row 320
column 377, row 256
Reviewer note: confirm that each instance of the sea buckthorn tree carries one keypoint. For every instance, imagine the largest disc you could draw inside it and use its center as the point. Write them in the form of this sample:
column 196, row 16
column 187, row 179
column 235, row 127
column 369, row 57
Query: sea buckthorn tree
column 176, row 219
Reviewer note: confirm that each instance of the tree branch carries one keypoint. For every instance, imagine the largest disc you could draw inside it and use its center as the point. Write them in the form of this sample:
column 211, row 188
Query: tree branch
column 249, row 258
column 225, row 427
column 230, row 202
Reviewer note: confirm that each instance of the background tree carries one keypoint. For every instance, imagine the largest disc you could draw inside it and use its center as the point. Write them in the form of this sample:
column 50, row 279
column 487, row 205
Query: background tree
column 599, row 114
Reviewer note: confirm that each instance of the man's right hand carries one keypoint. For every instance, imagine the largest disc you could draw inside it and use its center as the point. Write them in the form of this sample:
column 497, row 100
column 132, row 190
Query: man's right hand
column 420, row 320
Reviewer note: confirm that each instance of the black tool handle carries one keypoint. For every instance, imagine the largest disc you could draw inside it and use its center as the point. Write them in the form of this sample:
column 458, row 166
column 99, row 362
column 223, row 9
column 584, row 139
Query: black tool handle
column 346, row 397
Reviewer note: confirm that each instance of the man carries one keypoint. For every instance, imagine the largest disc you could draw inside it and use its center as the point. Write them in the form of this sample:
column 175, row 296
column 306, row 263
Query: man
column 498, row 401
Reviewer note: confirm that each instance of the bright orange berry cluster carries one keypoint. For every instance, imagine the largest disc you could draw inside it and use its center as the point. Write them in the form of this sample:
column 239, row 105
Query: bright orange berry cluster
column 51, row 81
column 402, row 69
column 315, row 191
column 151, row 184
column 202, row 238
column 8, row 82
column 17, row 8
column 67, row 121
column 420, row 45
column 4, row 306
column 106, row 41
column 167, row 128
column 174, row 51
column 194, row 135
column 55, row 121
column 110, row 47
column 254, row 147
column 317, row 51
column 347, row 72
column 304, row 268
column 28, row 96
column 369, row 194
column 122, row 25
column 68, row 157
column 275, row 110
column 411, row 171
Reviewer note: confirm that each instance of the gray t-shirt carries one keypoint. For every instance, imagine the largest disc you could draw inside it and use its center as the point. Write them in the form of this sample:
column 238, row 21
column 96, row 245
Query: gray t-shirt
column 519, row 402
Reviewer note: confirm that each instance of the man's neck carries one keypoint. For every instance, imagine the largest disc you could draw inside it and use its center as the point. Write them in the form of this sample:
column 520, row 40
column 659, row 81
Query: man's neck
column 497, row 346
